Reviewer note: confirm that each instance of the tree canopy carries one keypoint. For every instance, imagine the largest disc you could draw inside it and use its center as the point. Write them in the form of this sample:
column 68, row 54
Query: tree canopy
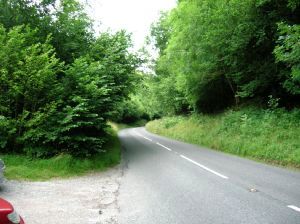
column 59, row 82
column 214, row 54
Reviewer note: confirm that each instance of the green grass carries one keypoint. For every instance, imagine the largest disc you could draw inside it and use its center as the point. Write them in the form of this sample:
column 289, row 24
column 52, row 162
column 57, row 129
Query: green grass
column 270, row 136
column 63, row 166
column 20, row 167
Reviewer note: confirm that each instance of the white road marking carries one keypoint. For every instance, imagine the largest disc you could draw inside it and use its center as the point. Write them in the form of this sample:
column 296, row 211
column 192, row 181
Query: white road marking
column 147, row 138
column 203, row 167
column 142, row 136
column 294, row 208
column 184, row 157
column 164, row 147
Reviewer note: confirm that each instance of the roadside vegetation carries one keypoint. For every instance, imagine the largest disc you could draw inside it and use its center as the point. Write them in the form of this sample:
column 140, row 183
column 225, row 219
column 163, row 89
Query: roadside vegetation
column 270, row 136
column 219, row 54
column 228, row 77
column 60, row 84
column 20, row 167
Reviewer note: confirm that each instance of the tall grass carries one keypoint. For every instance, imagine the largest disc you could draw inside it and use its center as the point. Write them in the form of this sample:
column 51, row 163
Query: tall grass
column 21, row 167
column 62, row 166
column 272, row 136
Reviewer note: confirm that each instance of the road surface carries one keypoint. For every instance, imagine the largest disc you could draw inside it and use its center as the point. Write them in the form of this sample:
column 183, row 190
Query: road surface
column 170, row 182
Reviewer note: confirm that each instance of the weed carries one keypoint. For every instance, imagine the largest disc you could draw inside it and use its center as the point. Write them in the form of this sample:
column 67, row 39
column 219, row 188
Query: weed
column 268, row 135
column 25, row 168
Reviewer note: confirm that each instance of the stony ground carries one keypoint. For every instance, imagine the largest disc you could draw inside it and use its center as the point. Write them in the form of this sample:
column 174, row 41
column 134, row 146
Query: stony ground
column 91, row 199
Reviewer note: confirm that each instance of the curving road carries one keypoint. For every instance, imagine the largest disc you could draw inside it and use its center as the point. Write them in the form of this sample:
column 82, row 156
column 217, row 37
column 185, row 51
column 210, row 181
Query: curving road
column 170, row 182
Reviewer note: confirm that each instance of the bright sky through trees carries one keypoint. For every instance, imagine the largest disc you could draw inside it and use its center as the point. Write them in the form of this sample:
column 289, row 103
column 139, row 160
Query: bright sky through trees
column 135, row 16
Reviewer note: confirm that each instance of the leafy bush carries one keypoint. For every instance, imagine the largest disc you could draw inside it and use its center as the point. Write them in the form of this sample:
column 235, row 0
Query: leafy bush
column 22, row 167
column 50, row 106
column 76, row 123
column 288, row 52
column 8, row 132
column 28, row 81
column 130, row 111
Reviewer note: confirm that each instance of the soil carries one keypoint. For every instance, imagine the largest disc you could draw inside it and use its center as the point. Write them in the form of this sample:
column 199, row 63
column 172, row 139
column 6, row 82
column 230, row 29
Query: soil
column 90, row 199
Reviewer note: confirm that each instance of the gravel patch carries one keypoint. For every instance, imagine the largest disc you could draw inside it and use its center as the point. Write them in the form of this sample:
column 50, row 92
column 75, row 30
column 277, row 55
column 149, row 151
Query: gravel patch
column 90, row 199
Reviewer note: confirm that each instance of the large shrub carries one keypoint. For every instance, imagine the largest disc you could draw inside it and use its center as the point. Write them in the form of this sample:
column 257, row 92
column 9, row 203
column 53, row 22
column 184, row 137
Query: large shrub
column 27, row 81
column 48, row 105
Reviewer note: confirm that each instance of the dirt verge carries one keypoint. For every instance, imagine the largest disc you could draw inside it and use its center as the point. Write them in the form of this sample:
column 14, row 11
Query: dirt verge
column 91, row 199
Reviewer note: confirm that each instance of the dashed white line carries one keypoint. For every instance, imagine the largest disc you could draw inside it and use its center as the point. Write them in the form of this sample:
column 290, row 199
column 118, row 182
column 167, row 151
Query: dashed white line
column 186, row 158
column 143, row 136
column 294, row 208
column 164, row 147
column 147, row 138
column 203, row 167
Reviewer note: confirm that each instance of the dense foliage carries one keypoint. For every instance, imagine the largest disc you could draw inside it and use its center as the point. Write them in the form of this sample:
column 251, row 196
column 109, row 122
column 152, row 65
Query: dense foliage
column 214, row 54
column 59, row 83
column 240, row 55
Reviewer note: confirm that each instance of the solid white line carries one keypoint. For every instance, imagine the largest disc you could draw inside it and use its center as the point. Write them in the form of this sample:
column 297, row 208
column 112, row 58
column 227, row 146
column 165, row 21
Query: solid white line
column 147, row 138
column 164, row 146
column 204, row 167
column 294, row 208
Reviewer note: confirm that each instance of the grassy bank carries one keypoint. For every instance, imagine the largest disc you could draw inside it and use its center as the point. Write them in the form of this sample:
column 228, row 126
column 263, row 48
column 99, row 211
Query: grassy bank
column 271, row 136
column 24, row 168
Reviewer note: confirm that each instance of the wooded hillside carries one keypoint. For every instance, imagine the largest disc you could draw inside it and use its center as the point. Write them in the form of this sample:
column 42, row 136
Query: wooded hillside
column 217, row 54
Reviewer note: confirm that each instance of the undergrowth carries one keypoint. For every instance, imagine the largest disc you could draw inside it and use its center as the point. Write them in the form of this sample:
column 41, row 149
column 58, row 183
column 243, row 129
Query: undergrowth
column 62, row 166
column 267, row 135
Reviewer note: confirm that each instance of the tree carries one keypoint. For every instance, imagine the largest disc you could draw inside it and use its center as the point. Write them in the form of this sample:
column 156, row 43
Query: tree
column 217, row 53
column 161, row 32
column 71, row 30
column 288, row 52
column 28, row 76
column 59, row 88
column 64, row 20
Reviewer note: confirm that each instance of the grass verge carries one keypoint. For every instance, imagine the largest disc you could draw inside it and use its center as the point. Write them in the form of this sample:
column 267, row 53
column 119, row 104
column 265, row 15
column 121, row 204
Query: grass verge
column 23, row 168
column 19, row 167
column 270, row 136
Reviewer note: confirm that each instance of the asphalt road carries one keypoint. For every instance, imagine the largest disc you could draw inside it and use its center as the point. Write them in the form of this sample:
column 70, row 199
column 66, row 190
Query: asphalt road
column 170, row 182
